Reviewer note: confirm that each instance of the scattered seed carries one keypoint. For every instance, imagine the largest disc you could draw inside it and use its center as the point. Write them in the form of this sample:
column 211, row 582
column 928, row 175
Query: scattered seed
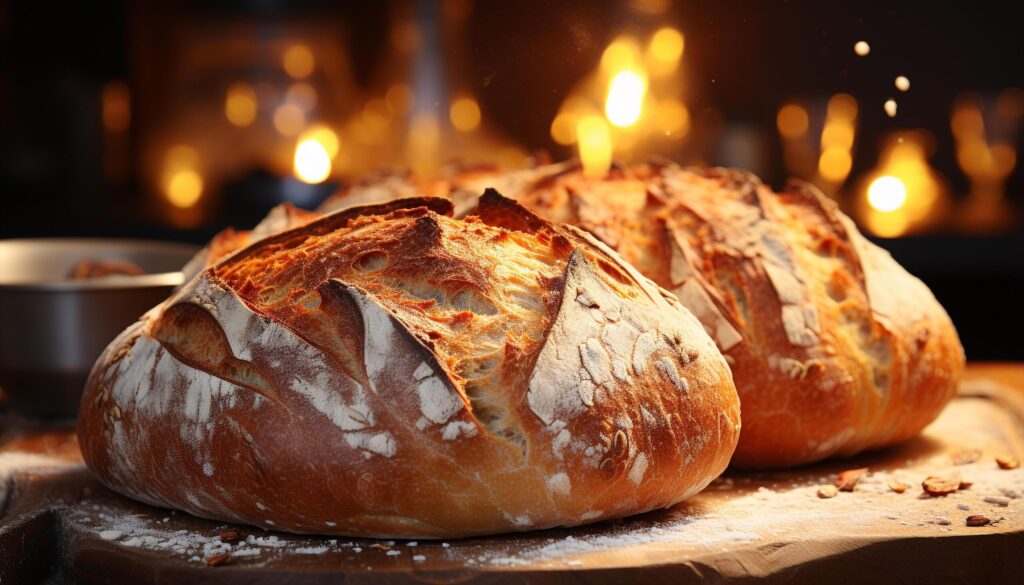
column 1007, row 462
column 231, row 535
column 977, row 520
column 827, row 491
column 998, row 500
column 218, row 560
column 935, row 485
column 848, row 479
column 898, row 486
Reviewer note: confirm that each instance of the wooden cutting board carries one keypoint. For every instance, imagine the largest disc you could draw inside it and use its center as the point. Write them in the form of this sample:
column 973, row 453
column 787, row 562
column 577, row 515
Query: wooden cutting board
column 58, row 525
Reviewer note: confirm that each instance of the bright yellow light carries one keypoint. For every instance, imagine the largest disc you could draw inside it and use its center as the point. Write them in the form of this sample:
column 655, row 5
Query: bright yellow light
column 289, row 119
column 325, row 136
column 465, row 114
column 834, row 164
column 625, row 98
column 887, row 225
column 861, row 48
column 184, row 188
column 621, row 54
column 301, row 94
column 312, row 162
column 839, row 134
column 673, row 118
column 298, row 61
column 240, row 104
column 887, row 194
column 563, row 128
column 665, row 50
column 398, row 98
column 595, row 144
column 792, row 121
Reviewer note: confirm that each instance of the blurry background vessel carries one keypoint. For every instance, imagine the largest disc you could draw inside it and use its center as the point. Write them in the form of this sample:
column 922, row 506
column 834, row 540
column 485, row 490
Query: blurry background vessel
column 52, row 329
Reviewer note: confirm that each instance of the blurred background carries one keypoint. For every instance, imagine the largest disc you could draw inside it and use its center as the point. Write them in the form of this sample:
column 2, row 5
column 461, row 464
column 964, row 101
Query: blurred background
column 171, row 120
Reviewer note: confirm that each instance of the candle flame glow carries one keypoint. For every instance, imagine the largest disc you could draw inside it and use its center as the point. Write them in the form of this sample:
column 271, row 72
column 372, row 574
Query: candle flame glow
column 625, row 98
column 312, row 161
column 887, row 193
column 595, row 145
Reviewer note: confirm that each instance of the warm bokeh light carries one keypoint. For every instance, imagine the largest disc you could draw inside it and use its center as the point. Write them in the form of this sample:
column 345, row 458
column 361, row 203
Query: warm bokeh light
column 887, row 193
column 595, row 146
column 861, row 48
column 902, row 83
column 298, row 61
column 182, row 183
column 289, row 119
column 563, row 128
column 117, row 113
column 834, row 164
column 903, row 192
column 625, row 98
column 325, row 136
column 837, row 137
column 312, row 163
column 184, row 187
column 792, row 121
column 622, row 53
column 303, row 95
column 240, row 104
column 465, row 114
column 672, row 118
column 665, row 50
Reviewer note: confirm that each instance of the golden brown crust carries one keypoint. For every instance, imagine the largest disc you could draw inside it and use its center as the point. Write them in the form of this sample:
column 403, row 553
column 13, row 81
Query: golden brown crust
column 833, row 346
column 392, row 371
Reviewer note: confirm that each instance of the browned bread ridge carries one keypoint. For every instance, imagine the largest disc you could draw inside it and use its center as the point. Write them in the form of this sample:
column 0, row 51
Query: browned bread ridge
column 391, row 371
column 834, row 347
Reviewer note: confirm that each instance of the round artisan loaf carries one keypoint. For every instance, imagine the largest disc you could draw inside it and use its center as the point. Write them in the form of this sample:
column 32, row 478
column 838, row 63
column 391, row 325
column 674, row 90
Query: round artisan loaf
column 834, row 347
column 391, row 371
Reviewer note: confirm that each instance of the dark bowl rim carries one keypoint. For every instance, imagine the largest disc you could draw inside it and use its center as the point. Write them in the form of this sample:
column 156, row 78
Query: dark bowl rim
column 145, row 281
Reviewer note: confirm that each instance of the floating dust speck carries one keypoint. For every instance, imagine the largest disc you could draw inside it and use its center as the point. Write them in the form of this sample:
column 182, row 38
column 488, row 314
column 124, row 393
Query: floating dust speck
column 890, row 107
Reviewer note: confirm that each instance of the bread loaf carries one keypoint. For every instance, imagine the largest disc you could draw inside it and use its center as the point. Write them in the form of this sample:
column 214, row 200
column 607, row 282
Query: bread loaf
column 391, row 371
column 834, row 347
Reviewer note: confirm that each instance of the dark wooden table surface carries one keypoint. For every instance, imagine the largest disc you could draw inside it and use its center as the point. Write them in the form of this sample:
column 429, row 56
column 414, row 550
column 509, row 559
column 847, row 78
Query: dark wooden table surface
column 58, row 525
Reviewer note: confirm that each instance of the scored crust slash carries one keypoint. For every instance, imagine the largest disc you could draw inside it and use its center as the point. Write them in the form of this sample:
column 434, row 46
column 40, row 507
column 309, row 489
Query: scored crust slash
column 834, row 347
column 389, row 370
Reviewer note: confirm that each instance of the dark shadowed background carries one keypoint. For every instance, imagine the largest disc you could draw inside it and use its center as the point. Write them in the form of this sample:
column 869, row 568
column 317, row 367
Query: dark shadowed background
column 102, row 104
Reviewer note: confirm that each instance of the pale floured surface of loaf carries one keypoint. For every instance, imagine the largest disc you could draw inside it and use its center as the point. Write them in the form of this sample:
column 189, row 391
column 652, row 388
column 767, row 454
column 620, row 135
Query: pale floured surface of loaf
column 834, row 347
column 392, row 371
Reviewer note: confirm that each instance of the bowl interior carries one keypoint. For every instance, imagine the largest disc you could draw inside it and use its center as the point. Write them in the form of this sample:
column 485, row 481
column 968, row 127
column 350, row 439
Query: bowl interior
column 47, row 262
